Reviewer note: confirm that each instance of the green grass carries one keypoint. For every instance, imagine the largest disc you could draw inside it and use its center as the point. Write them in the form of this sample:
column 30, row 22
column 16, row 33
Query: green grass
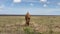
column 29, row 30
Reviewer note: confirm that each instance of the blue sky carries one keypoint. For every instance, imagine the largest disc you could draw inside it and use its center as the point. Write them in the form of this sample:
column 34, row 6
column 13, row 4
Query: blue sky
column 34, row 7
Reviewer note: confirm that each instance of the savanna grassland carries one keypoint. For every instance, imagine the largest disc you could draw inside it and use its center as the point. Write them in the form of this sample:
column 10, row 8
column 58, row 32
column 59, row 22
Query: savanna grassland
column 38, row 25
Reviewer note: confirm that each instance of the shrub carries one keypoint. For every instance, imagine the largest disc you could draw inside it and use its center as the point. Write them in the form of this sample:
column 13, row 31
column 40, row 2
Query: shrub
column 29, row 30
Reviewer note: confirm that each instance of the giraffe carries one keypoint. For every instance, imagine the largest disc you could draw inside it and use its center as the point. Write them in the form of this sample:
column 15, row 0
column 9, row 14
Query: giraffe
column 27, row 18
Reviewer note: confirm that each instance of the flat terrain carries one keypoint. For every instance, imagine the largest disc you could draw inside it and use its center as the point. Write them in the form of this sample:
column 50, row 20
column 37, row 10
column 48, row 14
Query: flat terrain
column 38, row 25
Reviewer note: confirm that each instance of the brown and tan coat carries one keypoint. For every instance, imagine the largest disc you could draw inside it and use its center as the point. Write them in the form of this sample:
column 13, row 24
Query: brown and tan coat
column 27, row 18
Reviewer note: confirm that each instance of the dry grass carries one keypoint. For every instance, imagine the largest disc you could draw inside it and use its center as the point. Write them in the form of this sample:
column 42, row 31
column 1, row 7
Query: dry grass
column 40, row 24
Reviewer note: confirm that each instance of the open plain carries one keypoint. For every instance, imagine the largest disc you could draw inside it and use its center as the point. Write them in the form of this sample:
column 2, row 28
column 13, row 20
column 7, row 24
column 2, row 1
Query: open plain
column 38, row 25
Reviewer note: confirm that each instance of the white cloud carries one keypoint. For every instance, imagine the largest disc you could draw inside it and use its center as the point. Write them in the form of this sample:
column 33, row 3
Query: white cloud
column 45, row 5
column 58, row 3
column 43, row 0
column 2, row 6
column 16, row 1
column 31, row 4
